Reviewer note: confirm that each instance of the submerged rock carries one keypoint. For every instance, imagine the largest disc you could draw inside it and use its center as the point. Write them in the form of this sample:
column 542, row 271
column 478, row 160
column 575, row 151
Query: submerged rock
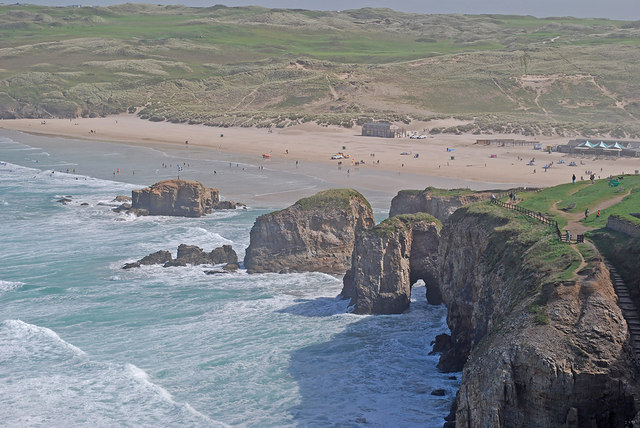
column 174, row 198
column 314, row 234
column 388, row 259
column 122, row 198
column 159, row 257
column 190, row 255
column 441, row 344
column 228, row 205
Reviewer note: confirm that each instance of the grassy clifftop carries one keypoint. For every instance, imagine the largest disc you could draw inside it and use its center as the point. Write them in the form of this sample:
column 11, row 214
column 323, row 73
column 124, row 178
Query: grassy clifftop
column 332, row 199
column 402, row 222
column 534, row 246
column 258, row 67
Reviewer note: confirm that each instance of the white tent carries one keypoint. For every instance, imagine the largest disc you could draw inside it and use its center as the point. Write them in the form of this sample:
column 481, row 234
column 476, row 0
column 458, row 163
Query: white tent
column 601, row 145
column 585, row 145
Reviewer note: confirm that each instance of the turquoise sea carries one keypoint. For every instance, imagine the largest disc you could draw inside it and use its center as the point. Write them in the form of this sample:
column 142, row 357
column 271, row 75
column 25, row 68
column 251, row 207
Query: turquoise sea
column 85, row 343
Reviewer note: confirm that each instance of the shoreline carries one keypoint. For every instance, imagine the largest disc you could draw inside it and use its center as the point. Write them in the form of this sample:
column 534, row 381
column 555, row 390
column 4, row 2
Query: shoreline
column 302, row 152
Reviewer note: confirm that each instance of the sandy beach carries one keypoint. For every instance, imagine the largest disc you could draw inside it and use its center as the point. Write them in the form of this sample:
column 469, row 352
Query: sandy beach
column 378, row 164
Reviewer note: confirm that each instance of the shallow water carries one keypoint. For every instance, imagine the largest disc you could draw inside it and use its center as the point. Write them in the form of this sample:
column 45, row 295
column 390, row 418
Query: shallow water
column 85, row 343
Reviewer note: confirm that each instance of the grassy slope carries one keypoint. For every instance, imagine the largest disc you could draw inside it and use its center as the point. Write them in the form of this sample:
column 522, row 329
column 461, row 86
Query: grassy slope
column 196, row 64
column 584, row 195
column 621, row 250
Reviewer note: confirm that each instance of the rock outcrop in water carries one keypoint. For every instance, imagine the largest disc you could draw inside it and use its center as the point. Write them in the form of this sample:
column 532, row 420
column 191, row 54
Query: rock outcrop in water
column 314, row 234
column 174, row 198
column 537, row 349
column 437, row 202
column 388, row 259
column 190, row 255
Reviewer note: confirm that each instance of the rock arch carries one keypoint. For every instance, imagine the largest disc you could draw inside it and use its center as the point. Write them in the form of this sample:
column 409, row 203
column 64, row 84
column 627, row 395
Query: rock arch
column 388, row 259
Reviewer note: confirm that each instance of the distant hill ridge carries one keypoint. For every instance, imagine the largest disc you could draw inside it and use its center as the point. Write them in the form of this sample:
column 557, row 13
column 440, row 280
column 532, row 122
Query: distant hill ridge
column 251, row 66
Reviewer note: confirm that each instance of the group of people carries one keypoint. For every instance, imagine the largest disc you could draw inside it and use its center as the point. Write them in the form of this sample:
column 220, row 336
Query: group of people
column 586, row 213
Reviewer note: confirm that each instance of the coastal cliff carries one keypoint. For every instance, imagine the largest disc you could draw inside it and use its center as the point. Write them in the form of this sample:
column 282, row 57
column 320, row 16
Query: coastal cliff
column 174, row 198
column 439, row 203
column 388, row 259
column 539, row 346
column 314, row 234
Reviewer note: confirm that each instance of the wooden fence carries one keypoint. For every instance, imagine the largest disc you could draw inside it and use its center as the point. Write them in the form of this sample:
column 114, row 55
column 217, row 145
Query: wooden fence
column 533, row 214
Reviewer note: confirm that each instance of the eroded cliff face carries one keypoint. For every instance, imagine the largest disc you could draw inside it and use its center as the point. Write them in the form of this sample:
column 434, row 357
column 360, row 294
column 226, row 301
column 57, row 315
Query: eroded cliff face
column 314, row 234
column 174, row 198
column 387, row 261
column 437, row 202
column 540, row 350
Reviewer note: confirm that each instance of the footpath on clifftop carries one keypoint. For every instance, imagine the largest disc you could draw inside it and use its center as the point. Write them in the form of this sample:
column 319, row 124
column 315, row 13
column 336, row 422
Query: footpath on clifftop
column 568, row 205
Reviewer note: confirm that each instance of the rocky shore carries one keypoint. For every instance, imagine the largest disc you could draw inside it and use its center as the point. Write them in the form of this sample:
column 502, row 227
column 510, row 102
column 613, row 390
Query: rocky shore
column 536, row 346
column 190, row 255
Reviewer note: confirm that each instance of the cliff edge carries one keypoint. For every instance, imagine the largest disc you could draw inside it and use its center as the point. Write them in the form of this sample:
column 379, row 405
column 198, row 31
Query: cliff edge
column 440, row 203
column 314, row 234
column 540, row 346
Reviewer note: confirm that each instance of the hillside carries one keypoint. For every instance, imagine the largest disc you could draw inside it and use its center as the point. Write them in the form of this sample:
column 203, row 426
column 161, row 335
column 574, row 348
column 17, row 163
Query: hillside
column 252, row 66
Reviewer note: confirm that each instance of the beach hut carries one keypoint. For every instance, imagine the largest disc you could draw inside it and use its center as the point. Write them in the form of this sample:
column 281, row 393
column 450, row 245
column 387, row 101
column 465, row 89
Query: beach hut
column 381, row 129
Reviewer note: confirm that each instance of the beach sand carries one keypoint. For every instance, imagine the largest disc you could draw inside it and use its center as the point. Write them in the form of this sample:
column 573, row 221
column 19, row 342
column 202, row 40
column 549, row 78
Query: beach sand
column 305, row 151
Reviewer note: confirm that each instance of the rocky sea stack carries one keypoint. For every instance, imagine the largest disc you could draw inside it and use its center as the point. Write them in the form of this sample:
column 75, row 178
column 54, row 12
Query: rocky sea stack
column 174, row 198
column 388, row 259
column 439, row 203
column 314, row 234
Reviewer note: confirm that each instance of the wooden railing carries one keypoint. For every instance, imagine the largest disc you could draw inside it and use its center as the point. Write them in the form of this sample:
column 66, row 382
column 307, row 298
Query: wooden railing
column 533, row 214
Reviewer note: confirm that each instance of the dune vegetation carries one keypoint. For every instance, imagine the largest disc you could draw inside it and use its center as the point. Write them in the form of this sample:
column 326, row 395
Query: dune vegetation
column 252, row 66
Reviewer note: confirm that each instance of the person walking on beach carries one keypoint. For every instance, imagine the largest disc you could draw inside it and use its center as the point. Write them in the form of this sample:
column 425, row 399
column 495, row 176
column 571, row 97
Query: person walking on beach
column 573, row 179
column 586, row 213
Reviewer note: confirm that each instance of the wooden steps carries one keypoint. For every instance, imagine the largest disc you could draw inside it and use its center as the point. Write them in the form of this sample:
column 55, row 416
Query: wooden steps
column 629, row 309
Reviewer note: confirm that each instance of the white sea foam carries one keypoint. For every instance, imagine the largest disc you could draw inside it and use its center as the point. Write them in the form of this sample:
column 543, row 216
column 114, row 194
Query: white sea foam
column 9, row 285
column 25, row 331
column 249, row 350
column 143, row 378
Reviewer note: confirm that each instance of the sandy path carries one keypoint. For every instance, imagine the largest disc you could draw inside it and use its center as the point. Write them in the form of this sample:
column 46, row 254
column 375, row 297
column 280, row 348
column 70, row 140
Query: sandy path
column 575, row 224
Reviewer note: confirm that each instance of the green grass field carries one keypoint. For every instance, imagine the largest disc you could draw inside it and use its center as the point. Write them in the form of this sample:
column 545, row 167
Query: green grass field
column 575, row 198
column 252, row 66
column 621, row 250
